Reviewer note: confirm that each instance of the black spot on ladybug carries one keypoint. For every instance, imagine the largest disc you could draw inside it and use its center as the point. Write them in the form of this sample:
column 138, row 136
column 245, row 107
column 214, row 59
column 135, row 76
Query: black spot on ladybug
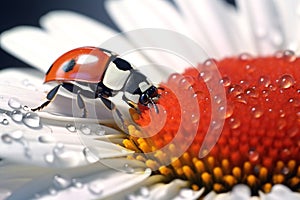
column 68, row 66
column 122, row 64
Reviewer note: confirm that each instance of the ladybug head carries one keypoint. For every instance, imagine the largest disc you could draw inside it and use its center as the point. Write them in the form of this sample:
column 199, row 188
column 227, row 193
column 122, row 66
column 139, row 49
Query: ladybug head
column 148, row 97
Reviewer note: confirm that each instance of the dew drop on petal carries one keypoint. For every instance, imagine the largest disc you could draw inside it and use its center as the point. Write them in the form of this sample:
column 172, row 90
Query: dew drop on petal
column 46, row 139
column 71, row 128
column 60, row 182
column 144, row 191
column 253, row 156
column 6, row 138
column 264, row 81
column 96, row 188
column 234, row 123
column 206, row 76
column 85, row 129
column 14, row 103
column 16, row 115
column 235, row 90
column 52, row 191
column 5, row 122
column 128, row 169
column 289, row 55
column 58, row 149
column 89, row 156
column 76, row 183
column 286, row 81
column 250, row 68
column 251, row 92
column 49, row 158
column 16, row 135
column 245, row 57
column 100, row 131
column 32, row 120
column 175, row 77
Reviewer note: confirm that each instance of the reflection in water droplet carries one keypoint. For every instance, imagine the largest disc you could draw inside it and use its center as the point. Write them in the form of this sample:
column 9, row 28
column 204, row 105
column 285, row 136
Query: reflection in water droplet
column 32, row 120
column 14, row 103
column 144, row 191
column 49, row 158
column 253, row 156
column 225, row 81
column 100, row 131
column 235, row 90
column 46, row 139
column 89, row 156
column 16, row 115
column 60, row 182
column 286, row 81
column 5, row 122
column 264, row 81
column 77, row 183
column 257, row 111
column 71, row 127
column 206, row 76
column 234, row 123
column 6, row 138
column 58, row 149
column 16, row 135
column 96, row 187
column 128, row 169
column 85, row 129
column 245, row 57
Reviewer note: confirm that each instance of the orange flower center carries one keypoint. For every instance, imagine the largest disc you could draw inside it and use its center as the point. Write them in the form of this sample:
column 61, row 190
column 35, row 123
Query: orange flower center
column 259, row 143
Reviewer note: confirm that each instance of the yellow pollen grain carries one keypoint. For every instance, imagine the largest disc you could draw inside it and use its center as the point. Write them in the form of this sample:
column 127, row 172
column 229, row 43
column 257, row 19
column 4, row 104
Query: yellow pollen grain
column 152, row 164
column 263, row 174
column 131, row 129
column 267, row 187
column 226, row 165
column 295, row 181
column 176, row 163
column 200, row 167
column 186, row 159
column 161, row 156
column 251, row 180
column 229, row 180
column 166, row 171
column 298, row 171
column 278, row 178
column 217, row 172
column 140, row 158
column 218, row 187
column 206, row 178
column 291, row 165
column 188, row 172
column 195, row 187
column 172, row 149
column 179, row 171
column 129, row 144
column 279, row 166
column 237, row 172
column 247, row 167
column 211, row 162
column 143, row 145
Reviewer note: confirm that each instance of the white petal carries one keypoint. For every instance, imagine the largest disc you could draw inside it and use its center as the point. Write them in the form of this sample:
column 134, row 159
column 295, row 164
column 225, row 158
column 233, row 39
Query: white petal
column 163, row 50
column 279, row 192
column 266, row 31
column 90, row 182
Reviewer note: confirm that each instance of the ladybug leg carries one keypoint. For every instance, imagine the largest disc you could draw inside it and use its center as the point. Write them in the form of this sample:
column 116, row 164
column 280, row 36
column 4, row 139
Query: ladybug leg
column 111, row 106
column 50, row 96
column 131, row 104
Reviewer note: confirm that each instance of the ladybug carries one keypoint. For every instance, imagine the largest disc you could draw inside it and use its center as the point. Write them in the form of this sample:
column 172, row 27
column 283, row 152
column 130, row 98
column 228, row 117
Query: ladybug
column 98, row 73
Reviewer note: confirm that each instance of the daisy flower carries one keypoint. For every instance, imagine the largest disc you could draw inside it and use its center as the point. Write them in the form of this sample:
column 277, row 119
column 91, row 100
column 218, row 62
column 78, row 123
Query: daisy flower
column 228, row 120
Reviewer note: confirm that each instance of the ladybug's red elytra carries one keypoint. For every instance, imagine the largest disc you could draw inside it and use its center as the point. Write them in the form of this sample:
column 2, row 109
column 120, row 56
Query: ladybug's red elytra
column 94, row 73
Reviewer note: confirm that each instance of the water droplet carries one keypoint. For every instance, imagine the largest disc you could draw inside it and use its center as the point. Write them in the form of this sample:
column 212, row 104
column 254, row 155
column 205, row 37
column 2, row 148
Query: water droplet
column 52, row 191
column 264, row 81
column 289, row 55
column 205, row 75
column 174, row 78
column 229, row 110
column 100, row 131
column 16, row 135
column 225, row 81
column 49, row 158
column 186, row 82
column 194, row 118
column 5, row 122
column 235, row 90
column 209, row 62
column 128, row 169
column 6, row 138
column 251, row 92
column 58, row 149
column 265, row 93
column 245, row 57
column 71, row 128
column 26, row 108
column 295, row 102
column 241, row 98
column 32, row 120
column 286, row 81
column 14, row 103
column 96, row 187
column 89, row 156
column 85, row 129
column 234, row 123
column 16, row 115
column 144, row 191
column 60, row 182
column 253, row 156
column 46, row 139
column 250, row 68
column 77, row 183
column 257, row 111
